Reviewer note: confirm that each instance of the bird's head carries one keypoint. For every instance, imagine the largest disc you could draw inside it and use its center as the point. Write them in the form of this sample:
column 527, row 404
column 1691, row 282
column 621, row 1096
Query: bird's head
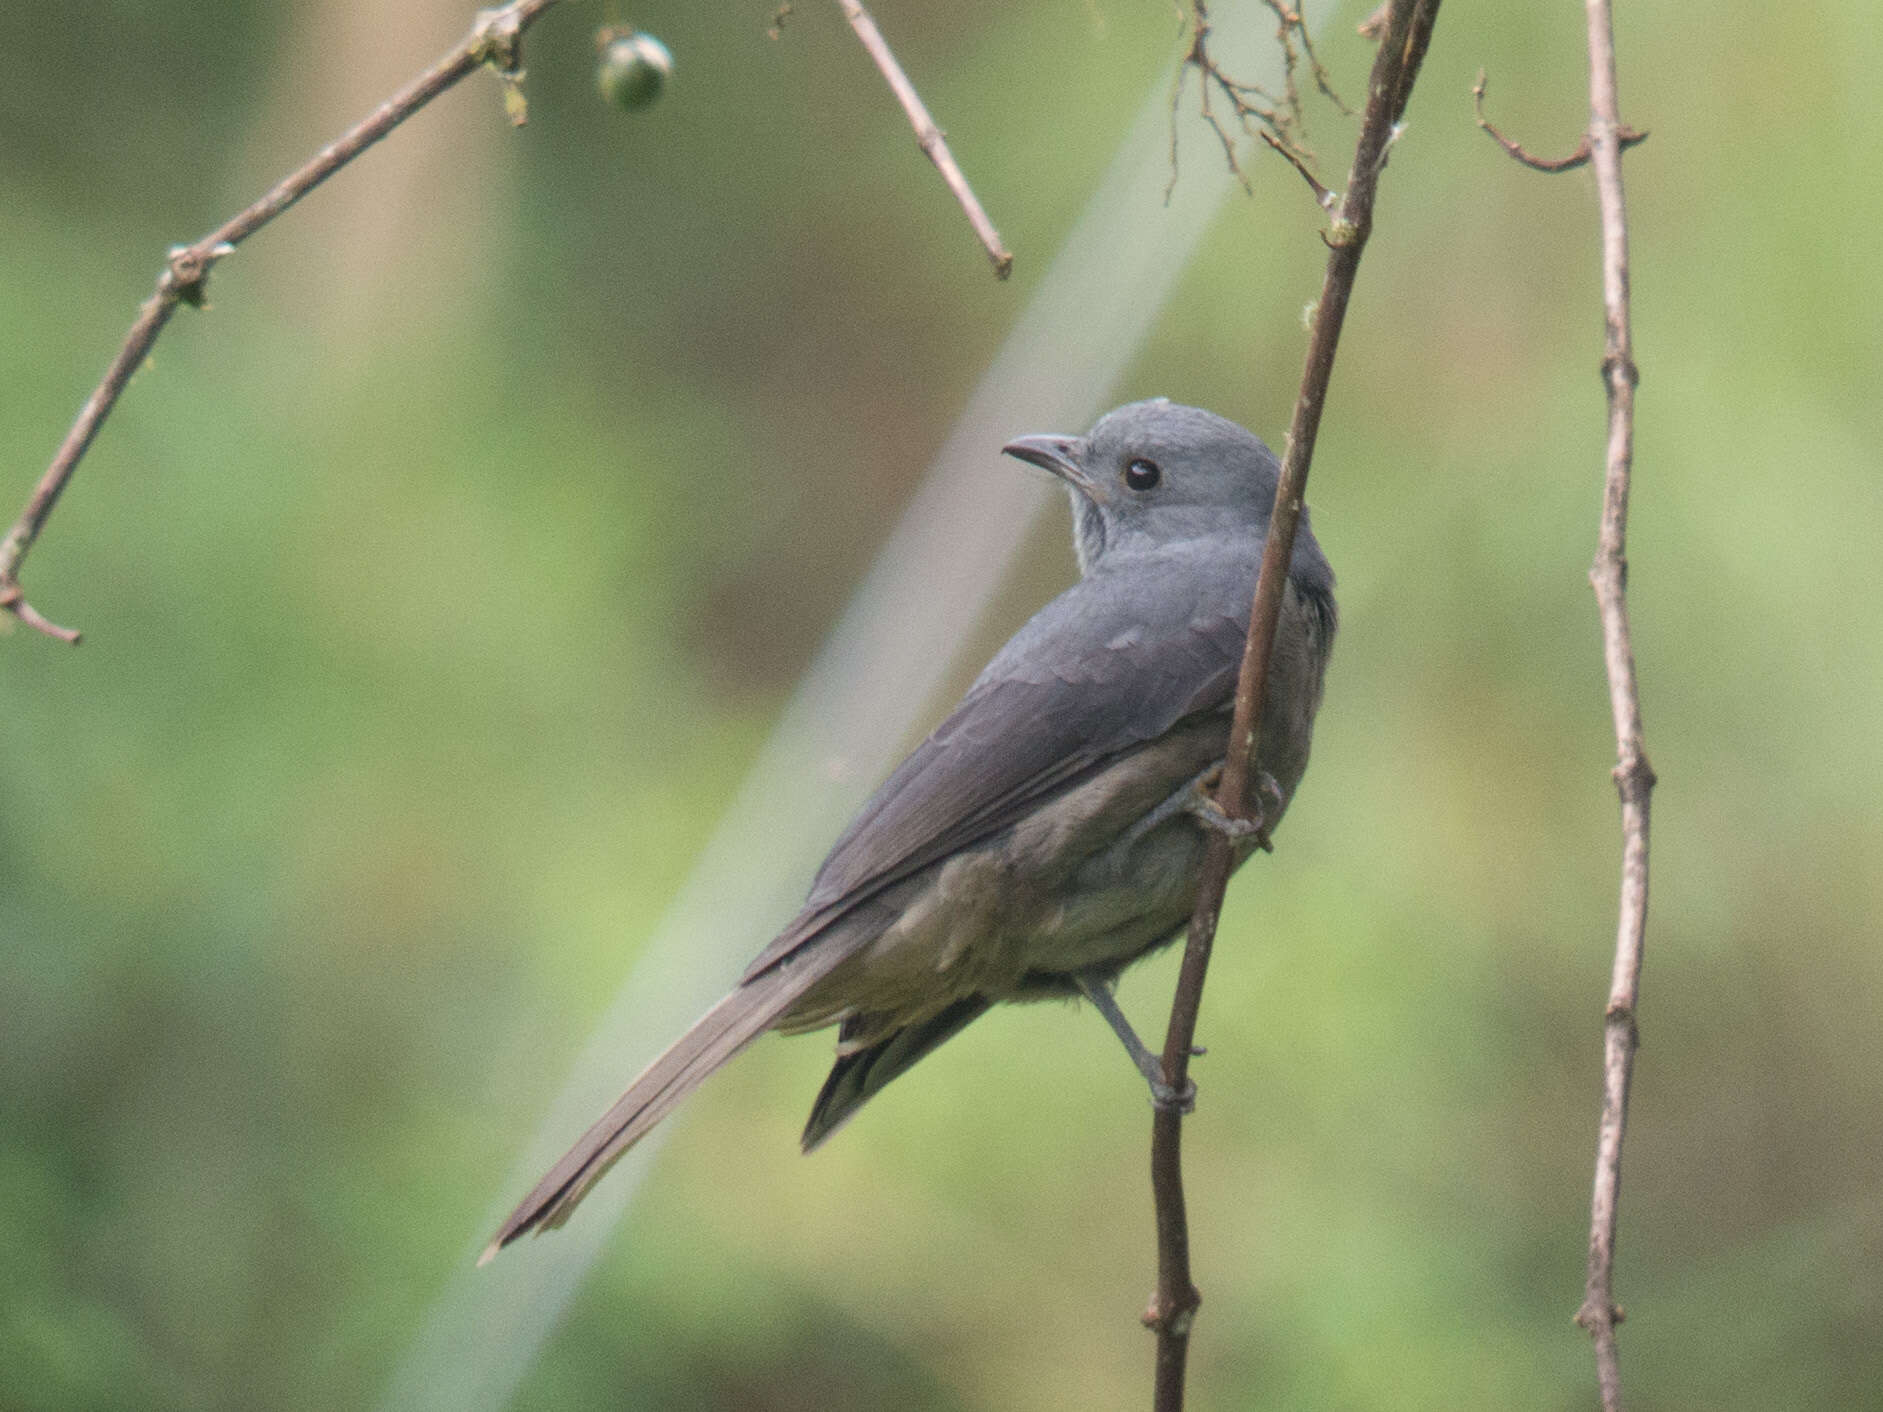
column 1149, row 474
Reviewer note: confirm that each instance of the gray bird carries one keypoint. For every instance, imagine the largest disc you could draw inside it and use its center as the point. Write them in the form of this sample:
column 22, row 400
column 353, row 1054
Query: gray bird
column 1049, row 832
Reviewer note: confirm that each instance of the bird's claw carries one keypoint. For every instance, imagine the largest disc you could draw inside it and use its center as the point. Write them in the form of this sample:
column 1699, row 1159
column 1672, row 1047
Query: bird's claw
column 1167, row 1099
column 1213, row 817
column 1202, row 803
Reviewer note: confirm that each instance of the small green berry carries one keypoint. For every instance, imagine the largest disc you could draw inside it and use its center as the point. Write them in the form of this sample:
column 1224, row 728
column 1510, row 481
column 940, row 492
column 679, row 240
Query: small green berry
column 632, row 69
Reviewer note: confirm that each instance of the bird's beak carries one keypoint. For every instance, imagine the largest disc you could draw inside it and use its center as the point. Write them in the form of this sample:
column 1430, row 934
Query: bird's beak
column 1060, row 455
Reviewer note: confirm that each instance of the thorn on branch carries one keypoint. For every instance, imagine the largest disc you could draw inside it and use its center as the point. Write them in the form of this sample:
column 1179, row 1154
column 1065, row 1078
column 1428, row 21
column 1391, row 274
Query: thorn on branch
column 1627, row 136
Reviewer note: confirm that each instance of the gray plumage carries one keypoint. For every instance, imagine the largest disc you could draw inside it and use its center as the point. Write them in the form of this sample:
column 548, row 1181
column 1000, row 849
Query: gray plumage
column 1044, row 830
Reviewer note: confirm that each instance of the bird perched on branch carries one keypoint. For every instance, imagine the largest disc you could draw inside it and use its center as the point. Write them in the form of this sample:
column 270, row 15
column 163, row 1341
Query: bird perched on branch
column 1050, row 831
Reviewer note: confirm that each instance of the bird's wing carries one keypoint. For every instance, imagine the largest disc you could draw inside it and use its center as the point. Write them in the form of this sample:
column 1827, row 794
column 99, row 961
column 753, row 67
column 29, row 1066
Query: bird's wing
column 1113, row 662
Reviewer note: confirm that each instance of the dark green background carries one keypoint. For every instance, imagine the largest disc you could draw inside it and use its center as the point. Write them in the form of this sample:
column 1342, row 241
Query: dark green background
column 441, row 582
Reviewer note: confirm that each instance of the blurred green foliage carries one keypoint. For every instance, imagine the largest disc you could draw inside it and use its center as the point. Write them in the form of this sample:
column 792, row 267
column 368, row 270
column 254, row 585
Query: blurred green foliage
column 439, row 583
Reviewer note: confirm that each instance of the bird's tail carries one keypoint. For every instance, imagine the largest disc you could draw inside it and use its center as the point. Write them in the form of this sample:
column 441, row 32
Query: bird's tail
column 861, row 1074
column 719, row 1034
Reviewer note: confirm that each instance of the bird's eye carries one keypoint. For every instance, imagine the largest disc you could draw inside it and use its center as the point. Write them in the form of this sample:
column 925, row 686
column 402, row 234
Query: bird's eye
column 1142, row 474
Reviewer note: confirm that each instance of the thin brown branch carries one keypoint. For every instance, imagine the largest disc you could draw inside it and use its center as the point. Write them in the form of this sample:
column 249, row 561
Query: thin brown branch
column 1602, row 146
column 1627, row 136
column 929, row 136
column 1174, row 1305
column 1634, row 778
column 494, row 39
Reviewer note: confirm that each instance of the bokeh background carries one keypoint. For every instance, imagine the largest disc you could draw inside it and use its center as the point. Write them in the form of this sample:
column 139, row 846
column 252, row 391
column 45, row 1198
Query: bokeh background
column 440, row 584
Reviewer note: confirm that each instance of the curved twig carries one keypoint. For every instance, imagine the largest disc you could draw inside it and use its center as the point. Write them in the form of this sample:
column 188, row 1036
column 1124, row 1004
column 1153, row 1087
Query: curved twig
column 1627, row 136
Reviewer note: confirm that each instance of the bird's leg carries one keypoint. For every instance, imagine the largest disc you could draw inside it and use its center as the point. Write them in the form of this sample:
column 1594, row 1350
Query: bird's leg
column 1178, row 803
column 1197, row 799
column 1162, row 1094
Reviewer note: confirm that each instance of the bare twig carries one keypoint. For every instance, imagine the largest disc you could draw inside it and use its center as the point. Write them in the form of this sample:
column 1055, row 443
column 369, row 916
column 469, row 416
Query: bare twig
column 1173, row 1306
column 1627, row 137
column 930, row 137
column 1634, row 779
column 1291, row 29
column 495, row 39
column 1602, row 145
column 1255, row 109
column 1323, row 198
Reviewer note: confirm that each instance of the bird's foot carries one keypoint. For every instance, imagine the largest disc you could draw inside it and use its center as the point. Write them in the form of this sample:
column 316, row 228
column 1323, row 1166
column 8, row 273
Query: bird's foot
column 1201, row 802
column 1166, row 1099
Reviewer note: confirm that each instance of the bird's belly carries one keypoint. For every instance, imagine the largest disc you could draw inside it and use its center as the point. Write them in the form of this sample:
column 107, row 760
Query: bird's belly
column 1078, row 883
column 1125, row 900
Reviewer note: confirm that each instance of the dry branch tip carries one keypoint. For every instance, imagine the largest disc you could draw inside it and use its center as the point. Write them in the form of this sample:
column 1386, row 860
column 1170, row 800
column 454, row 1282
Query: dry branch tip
column 13, row 600
column 928, row 133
